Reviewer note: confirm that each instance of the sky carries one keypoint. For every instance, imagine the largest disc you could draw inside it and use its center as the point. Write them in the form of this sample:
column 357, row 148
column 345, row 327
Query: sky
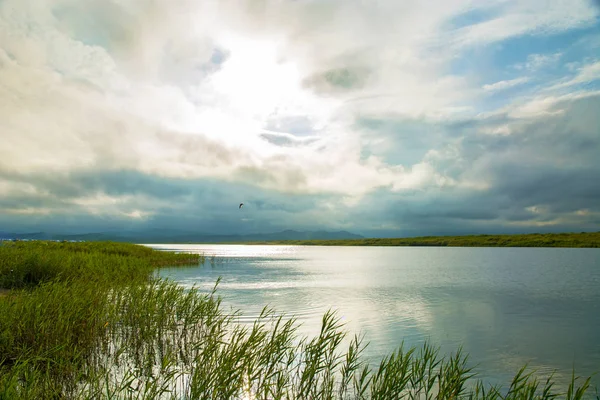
column 380, row 117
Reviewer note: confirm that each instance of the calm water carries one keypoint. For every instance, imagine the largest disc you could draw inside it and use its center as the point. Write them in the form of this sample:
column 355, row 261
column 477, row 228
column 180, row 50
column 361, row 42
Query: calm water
column 507, row 307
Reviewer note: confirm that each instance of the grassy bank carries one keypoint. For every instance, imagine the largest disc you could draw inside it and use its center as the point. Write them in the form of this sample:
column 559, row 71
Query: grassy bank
column 91, row 320
column 591, row 239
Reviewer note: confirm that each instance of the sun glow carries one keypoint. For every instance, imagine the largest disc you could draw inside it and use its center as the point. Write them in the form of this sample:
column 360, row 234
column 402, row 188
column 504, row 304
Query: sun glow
column 255, row 81
column 254, row 87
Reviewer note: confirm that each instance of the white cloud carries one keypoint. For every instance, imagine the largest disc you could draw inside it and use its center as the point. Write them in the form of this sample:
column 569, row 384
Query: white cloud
column 518, row 17
column 589, row 72
column 69, row 105
column 540, row 106
column 137, row 86
column 585, row 73
column 501, row 85
column 536, row 62
column 127, row 206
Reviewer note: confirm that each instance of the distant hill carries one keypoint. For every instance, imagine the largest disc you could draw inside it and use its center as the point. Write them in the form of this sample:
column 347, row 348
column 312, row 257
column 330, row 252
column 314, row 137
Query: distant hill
column 187, row 237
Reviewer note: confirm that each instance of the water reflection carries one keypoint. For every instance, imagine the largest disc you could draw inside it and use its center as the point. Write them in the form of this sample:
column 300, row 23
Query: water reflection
column 506, row 307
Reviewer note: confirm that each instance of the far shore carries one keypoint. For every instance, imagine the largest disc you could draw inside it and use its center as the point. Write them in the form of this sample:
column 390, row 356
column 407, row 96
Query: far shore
column 574, row 240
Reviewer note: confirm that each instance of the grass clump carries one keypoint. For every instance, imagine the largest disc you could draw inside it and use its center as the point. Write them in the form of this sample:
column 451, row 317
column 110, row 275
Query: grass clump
column 27, row 264
column 76, row 329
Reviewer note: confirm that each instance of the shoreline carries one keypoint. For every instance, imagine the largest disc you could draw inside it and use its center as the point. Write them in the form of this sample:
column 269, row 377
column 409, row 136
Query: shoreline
column 545, row 240
column 541, row 240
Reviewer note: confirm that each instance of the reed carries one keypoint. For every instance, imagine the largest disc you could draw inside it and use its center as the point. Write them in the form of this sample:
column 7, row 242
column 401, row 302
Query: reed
column 73, row 327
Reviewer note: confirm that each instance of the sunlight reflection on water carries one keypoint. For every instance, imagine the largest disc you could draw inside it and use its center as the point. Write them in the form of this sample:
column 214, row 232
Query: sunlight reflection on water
column 506, row 307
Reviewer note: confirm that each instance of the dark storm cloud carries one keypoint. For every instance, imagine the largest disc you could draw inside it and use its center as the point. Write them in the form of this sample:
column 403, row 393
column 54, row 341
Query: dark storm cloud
column 541, row 176
column 198, row 205
column 552, row 161
column 109, row 182
column 21, row 201
column 561, row 190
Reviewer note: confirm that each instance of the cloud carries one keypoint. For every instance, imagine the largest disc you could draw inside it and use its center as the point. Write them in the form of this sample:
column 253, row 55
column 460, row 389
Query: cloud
column 121, row 110
column 518, row 18
column 587, row 73
column 544, row 105
column 501, row 85
column 539, row 177
column 536, row 62
column 338, row 79
column 98, row 200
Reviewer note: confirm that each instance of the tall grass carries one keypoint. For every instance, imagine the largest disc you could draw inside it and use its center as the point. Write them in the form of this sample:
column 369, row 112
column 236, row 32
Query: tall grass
column 76, row 329
column 26, row 264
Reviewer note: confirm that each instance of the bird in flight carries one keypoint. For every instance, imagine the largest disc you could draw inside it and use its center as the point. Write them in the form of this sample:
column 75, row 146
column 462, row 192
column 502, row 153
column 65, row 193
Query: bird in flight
column 241, row 204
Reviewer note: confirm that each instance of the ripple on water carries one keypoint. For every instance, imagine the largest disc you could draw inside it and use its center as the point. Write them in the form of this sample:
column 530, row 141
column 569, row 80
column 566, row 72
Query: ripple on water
column 506, row 307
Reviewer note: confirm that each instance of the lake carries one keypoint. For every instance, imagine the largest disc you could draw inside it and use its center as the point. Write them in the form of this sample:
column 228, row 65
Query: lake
column 506, row 307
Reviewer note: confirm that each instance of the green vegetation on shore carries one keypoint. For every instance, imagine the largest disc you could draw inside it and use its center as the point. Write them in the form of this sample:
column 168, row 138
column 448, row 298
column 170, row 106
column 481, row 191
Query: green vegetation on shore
column 584, row 239
column 92, row 320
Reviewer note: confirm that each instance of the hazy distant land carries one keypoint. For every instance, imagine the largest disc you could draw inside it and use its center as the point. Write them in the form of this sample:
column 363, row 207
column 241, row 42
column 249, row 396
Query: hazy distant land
column 166, row 236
